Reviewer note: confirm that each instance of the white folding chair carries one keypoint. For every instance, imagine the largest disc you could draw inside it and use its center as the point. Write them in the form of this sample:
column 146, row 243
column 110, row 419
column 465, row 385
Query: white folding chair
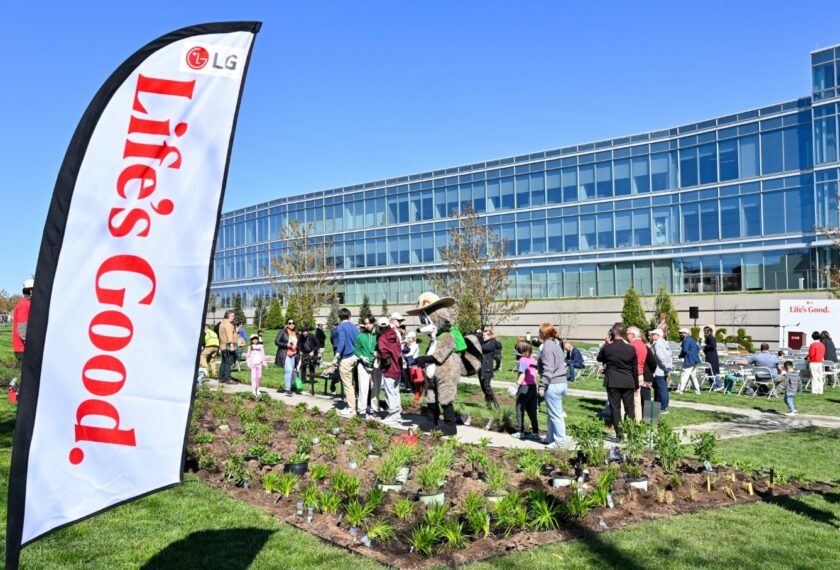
column 763, row 376
column 830, row 373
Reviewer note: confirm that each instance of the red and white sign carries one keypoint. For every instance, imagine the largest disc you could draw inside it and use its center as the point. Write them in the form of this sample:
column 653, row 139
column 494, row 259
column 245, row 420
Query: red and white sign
column 806, row 316
column 122, row 281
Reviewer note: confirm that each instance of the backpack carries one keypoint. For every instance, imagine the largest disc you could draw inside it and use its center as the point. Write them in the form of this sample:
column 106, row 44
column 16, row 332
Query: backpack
column 469, row 349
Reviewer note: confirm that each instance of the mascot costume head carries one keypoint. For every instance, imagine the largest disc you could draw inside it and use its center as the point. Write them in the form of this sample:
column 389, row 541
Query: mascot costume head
column 442, row 365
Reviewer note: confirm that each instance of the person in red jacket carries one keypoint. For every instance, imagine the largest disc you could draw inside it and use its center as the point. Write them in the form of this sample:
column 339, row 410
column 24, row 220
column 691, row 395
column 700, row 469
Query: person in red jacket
column 21, row 319
column 389, row 353
column 816, row 355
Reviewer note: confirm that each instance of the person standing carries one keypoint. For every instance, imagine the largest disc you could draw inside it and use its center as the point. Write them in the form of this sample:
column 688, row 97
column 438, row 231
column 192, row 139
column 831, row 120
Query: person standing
column 830, row 349
column 286, row 342
column 364, row 348
column 308, row 355
column 256, row 361
column 634, row 338
column 816, row 356
column 663, row 324
column 389, row 353
column 664, row 361
column 553, row 385
column 490, row 345
column 21, row 319
column 526, row 391
column 711, row 354
column 574, row 360
column 690, row 353
column 321, row 337
column 344, row 341
column 227, row 341
column 621, row 374
column 207, row 359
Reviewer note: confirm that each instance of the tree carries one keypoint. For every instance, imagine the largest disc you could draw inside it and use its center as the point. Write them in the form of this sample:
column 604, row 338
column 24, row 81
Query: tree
column 384, row 307
column 8, row 302
column 260, row 311
column 664, row 304
column 364, row 310
column 306, row 272
column 468, row 320
column 633, row 315
column 238, row 313
column 274, row 319
column 332, row 319
column 477, row 269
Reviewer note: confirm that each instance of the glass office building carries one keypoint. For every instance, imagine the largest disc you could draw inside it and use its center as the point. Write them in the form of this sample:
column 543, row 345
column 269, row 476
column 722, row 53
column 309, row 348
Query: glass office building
column 733, row 203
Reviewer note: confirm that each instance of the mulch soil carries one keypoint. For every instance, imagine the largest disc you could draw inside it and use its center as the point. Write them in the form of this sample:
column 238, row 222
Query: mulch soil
column 631, row 505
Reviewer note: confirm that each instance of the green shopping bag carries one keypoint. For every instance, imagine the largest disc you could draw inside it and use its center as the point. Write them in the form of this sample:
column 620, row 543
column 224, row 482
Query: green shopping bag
column 298, row 382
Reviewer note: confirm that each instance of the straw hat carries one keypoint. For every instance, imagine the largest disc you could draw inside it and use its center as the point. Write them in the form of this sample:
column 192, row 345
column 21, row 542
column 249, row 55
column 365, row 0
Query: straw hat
column 429, row 302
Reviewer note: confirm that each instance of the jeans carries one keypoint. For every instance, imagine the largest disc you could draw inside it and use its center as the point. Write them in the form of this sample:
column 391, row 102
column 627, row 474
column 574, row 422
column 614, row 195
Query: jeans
column 228, row 357
column 789, row 401
column 554, row 395
column 288, row 372
column 660, row 390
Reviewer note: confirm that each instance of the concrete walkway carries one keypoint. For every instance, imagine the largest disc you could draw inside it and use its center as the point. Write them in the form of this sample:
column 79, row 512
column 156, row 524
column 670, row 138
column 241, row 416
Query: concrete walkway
column 749, row 422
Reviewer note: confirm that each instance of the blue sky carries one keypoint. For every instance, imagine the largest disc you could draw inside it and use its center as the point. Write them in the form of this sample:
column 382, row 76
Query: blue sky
column 340, row 93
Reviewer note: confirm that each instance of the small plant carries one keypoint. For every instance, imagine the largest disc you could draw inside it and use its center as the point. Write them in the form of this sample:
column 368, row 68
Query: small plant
column 479, row 522
column 545, row 512
column 477, row 458
column 403, row 508
column 270, row 459
column 589, row 435
column 352, row 487
column 668, row 446
column 205, row 459
column 282, row 483
column 675, row 481
column 257, row 432
column 357, row 512
column 319, row 471
column 377, row 439
column 329, row 446
column 200, row 438
column 604, row 485
column 256, row 450
column 635, row 436
column 633, row 470
column 436, row 515
column 577, row 505
column 235, row 472
column 381, row 530
column 531, row 463
column 704, row 446
column 375, row 497
column 338, row 480
column 423, row 539
column 310, row 496
column 304, row 444
column 496, row 480
column 299, row 457
column 329, row 502
column 512, row 513
column 430, row 477
column 474, row 502
column 388, row 469
column 452, row 534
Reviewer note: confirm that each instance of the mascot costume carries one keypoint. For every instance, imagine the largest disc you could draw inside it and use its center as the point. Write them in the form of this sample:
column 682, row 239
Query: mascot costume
column 442, row 365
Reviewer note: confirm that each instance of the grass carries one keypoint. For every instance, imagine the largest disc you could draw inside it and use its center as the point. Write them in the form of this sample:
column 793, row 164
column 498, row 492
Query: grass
column 813, row 451
column 827, row 404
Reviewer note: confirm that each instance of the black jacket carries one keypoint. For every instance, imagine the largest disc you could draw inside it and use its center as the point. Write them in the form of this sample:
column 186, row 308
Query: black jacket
column 281, row 341
column 830, row 350
column 621, row 365
column 489, row 348
column 321, row 336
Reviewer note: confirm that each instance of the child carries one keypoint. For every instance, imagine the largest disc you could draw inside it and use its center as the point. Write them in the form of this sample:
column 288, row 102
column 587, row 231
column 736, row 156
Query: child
column 790, row 384
column 256, row 361
column 526, row 393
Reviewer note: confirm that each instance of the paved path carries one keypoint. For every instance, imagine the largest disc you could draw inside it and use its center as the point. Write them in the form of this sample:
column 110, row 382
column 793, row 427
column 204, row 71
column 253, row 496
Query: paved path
column 749, row 422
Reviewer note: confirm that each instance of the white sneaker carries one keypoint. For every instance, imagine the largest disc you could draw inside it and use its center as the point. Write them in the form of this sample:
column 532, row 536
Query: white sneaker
column 793, row 413
column 517, row 435
column 347, row 413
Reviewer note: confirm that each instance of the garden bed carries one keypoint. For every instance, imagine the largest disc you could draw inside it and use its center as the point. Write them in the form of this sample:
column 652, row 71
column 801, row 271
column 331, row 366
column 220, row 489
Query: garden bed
column 406, row 533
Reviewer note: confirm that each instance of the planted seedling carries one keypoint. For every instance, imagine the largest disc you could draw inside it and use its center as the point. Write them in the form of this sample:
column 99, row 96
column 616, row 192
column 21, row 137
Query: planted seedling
column 452, row 534
column 589, row 435
column 635, row 436
column 352, row 486
column 496, row 480
column 200, row 438
column 479, row 522
column 381, row 530
column 511, row 513
column 282, row 483
column 668, row 446
column 235, row 471
column 423, row 539
column 356, row 512
column 545, row 511
column 577, row 505
column 603, row 487
column 319, row 472
column 310, row 496
column 375, row 497
column 477, row 459
column 675, row 481
column 403, row 508
column 436, row 515
column 270, row 459
column 430, row 477
column 531, row 463
column 704, row 447
column 329, row 502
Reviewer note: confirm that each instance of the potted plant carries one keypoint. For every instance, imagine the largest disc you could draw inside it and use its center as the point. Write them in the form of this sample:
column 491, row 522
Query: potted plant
column 386, row 475
column 634, row 476
column 431, row 479
column 496, row 480
column 297, row 464
column 565, row 474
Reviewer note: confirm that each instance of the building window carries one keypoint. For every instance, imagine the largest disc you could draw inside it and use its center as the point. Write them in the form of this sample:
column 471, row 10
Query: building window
column 688, row 167
column 622, row 177
column 603, row 175
column 748, row 154
column 586, row 182
column 708, row 164
column 641, row 178
column 771, row 152
column 605, row 231
column 570, row 187
column 728, row 157
column 825, row 133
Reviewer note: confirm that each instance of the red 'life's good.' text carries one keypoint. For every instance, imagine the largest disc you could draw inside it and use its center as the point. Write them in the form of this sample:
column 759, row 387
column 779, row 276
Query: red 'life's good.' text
column 112, row 330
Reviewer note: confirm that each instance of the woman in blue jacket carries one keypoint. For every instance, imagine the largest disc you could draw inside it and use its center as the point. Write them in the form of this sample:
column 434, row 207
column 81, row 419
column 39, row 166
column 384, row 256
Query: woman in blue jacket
column 690, row 353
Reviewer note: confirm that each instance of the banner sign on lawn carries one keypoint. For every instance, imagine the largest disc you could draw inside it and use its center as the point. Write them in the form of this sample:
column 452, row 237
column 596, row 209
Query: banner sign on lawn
column 122, row 281
column 801, row 317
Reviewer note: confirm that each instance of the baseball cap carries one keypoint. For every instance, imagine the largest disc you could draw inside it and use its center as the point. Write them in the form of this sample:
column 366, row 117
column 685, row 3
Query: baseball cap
column 397, row 317
column 382, row 322
column 686, row 331
column 656, row 331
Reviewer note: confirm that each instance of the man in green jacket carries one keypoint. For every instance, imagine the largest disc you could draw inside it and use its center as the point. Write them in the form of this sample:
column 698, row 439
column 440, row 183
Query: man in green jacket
column 364, row 349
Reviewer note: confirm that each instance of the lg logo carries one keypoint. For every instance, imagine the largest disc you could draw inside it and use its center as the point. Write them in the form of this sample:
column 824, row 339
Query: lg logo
column 198, row 57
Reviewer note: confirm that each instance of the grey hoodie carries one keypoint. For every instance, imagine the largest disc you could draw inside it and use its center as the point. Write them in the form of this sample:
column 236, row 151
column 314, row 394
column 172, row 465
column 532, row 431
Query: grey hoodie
column 664, row 356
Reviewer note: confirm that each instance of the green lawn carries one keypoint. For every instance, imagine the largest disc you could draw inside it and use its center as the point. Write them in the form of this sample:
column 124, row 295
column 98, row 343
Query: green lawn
column 827, row 404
